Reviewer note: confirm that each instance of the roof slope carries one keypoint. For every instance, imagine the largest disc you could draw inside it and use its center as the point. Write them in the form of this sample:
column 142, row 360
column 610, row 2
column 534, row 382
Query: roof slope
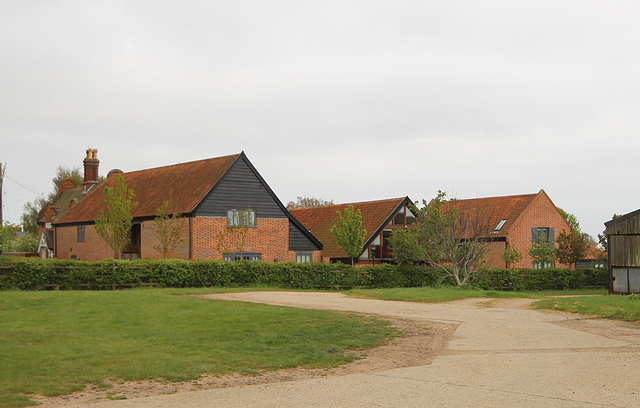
column 186, row 183
column 319, row 220
column 61, row 204
column 492, row 210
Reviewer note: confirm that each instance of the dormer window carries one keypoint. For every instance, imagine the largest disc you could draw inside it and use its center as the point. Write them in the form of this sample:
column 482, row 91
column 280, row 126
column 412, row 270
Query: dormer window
column 499, row 226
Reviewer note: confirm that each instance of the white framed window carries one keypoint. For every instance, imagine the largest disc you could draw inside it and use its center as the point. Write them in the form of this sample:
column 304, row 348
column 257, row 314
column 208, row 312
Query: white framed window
column 499, row 226
column 304, row 257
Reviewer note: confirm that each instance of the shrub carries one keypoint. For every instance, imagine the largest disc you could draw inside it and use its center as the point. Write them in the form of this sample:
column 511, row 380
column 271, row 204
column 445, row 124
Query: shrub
column 38, row 274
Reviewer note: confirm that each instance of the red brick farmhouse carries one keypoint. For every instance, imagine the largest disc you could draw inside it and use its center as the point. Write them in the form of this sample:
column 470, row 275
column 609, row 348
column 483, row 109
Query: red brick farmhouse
column 379, row 218
column 515, row 221
column 210, row 195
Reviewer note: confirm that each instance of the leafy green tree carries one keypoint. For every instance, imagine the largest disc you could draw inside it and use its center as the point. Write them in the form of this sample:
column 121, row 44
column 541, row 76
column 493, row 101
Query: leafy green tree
column 572, row 247
column 63, row 173
column 445, row 238
column 7, row 235
column 114, row 226
column 571, row 219
column 510, row 256
column 29, row 217
column 169, row 229
column 349, row 233
column 27, row 243
column 30, row 211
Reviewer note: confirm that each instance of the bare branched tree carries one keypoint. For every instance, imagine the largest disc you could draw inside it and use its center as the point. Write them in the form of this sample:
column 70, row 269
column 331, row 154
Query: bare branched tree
column 444, row 237
column 302, row 202
column 168, row 227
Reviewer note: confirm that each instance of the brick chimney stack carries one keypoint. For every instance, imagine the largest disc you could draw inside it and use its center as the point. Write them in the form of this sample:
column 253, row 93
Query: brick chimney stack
column 91, row 164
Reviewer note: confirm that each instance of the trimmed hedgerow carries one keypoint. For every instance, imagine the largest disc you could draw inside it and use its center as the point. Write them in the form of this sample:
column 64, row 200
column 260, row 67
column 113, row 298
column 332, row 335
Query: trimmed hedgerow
column 39, row 274
column 540, row 279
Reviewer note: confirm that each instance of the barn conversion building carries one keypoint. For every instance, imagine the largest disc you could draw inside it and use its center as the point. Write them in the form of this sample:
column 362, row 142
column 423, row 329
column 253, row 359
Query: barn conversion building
column 210, row 196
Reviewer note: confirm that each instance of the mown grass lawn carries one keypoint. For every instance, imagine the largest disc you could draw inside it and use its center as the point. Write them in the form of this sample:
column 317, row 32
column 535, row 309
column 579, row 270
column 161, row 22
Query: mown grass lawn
column 448, row 294
column 55, row 343
column 621, row 307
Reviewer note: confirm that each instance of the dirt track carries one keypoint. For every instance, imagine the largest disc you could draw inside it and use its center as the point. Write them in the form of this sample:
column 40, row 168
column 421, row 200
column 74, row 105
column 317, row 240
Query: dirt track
column 476, row 353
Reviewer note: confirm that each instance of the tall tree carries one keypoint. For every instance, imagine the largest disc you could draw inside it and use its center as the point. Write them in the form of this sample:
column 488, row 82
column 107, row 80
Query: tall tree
column 30, row 210
column 302, row 202
column 114, row 226
column 29, row 217
column 572, row 247
column 571, row 219
column 444, row 237
column 349, row 233
column 63, row 173
column 168, row 228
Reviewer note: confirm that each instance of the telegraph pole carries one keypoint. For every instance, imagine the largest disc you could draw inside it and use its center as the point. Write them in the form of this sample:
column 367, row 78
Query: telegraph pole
column 1, row 178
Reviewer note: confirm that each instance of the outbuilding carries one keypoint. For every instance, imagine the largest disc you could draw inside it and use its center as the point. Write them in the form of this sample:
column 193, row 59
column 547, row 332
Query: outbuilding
column 623, row 235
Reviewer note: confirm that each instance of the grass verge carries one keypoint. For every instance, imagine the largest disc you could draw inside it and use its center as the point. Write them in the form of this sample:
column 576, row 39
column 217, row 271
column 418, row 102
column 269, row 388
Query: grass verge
column 448, row 294
column 608, row 306
column 55, row 343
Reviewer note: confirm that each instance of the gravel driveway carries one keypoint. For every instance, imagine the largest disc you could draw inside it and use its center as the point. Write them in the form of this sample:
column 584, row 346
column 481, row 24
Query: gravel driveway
column 501, row 354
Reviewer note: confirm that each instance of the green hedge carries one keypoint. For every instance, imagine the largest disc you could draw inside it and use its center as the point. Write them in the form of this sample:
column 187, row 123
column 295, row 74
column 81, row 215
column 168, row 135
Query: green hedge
column 38, row 274
column 540, row 279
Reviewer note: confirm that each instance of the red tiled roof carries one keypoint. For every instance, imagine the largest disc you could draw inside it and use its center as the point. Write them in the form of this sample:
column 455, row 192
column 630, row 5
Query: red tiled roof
column 187, row 184
column 492, row 210
column 319, row 220
column 593, row 252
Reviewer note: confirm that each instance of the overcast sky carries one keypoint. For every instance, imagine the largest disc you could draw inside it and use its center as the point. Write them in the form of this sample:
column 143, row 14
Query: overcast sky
column 343, row 100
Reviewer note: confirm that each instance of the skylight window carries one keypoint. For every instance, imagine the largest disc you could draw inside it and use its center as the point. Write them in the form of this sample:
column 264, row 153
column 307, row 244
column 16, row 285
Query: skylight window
column 499, row 226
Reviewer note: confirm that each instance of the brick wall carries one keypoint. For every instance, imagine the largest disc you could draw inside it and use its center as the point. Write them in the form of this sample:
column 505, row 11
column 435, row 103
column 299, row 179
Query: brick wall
column 492, row 256
column 542, row 213
column 270, row 238
column 94, row 248
column 149, row 239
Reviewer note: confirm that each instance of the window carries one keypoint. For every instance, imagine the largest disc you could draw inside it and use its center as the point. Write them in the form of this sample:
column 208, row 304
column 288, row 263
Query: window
column 411, row 218
column 386, row 237
column 542, row 247
column 241, row 218
column 80, row 233
column 499, row 226
column 304, row 257
column 404, row 217
column 399, row 218
column 540, row 235
column 244, row 256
